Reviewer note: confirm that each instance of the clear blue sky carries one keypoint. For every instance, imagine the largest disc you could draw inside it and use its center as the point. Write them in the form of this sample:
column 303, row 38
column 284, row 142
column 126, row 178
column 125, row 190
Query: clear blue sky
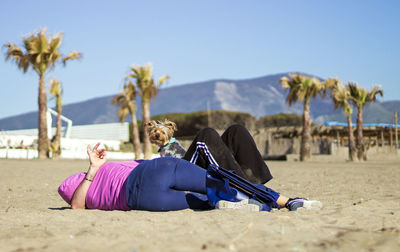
column 200, row 40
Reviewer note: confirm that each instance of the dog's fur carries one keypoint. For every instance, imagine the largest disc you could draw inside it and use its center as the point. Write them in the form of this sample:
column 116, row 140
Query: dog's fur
column 160, row 134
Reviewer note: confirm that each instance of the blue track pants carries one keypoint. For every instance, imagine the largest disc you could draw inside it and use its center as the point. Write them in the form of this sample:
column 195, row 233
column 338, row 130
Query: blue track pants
column 162, row 184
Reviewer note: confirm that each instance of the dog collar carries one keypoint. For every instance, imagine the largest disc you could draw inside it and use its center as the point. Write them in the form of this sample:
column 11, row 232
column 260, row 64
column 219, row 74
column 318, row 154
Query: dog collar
column 173, row 140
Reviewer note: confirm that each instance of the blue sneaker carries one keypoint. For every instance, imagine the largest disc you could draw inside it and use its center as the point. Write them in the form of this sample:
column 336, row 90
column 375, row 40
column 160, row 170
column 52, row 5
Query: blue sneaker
column 294, row 204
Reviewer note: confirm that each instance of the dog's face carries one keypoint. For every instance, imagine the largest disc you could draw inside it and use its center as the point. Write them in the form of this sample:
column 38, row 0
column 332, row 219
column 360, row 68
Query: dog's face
column 160, row 133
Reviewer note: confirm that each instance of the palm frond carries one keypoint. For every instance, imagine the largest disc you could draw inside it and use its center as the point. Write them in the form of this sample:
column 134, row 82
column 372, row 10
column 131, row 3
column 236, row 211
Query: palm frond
column 71, row 56
column 13, row 51
column 42, row 52
column 371, row 96
column 340, row 95
column 131, row 75
column 347, row 109
column 55, row 42
column 119, row 100
column 162, row 79
column 130, row 91
column 123, row 113
column 16, row 54
column 332, row 83
column 41, row 42
column 284, row 81
column 55, row 87
column 53, row 55
column 301, row 87
column 358, row 95
column 145, row 85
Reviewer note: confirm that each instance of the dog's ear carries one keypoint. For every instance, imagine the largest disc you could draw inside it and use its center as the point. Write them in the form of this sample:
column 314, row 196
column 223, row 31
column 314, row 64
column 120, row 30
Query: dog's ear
column 149, row 125
column 171, row 125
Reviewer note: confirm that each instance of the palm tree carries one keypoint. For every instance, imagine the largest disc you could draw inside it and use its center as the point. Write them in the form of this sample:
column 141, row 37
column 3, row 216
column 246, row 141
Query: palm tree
column 360, row 97
column 303, row 88
column 41, row 54
column 56, row 91
column 148, row 89
column 126, row 101
column 341, row 98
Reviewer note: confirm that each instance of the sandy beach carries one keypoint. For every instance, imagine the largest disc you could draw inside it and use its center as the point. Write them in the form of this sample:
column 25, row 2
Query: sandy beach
column 361, row 213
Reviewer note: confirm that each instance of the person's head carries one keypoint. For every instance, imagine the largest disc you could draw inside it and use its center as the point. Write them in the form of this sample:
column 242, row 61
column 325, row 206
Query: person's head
column 68, row 187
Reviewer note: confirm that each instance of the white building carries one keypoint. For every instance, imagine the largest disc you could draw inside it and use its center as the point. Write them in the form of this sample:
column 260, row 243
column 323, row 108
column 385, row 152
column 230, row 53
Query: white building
column 13, row 143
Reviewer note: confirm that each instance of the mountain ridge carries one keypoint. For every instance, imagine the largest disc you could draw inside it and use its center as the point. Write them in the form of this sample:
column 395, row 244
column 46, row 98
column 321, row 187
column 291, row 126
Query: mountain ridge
column 259, row 96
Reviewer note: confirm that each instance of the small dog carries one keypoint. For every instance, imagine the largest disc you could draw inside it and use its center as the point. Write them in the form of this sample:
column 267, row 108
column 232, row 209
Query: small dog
column 160, row 134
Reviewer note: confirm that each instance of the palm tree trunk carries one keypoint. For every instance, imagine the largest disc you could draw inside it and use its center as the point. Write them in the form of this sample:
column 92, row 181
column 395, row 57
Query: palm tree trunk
column 352, row 145
column 135, row 132
column 146, row 118
column 359, row 138
column 43, row 140
column 305, row 149
column 57, row 139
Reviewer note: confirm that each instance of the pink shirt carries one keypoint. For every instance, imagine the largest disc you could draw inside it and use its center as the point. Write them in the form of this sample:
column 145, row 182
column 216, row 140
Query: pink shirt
column 108, row 189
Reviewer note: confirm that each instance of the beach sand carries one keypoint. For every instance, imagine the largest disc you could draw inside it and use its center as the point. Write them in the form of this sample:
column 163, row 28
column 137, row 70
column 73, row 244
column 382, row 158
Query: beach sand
column 361, row 213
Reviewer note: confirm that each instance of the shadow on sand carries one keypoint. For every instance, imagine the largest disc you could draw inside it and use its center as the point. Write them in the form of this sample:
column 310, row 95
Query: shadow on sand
column 58, row 208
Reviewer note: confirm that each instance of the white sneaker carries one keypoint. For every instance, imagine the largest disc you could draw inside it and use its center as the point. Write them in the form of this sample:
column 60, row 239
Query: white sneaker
column 294, row 204
column 312, row 204
column 247, row 204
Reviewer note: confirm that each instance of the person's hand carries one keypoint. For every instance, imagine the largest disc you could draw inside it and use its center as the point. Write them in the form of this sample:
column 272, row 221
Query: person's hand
column 96, row 157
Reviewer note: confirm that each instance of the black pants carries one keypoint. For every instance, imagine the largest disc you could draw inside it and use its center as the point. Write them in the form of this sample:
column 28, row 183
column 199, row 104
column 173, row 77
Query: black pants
column 234, row 150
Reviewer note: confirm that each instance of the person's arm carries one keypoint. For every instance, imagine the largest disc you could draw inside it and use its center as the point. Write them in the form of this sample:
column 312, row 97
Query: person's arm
column 96, row 158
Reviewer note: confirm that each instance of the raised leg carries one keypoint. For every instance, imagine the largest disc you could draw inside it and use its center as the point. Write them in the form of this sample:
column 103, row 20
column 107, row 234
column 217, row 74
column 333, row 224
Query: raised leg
column 208, row 148
column 244, row 149
column 235, row 150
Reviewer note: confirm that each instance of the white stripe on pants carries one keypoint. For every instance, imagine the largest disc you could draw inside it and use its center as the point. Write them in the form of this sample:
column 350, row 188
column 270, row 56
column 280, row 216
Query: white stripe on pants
column 202, row 146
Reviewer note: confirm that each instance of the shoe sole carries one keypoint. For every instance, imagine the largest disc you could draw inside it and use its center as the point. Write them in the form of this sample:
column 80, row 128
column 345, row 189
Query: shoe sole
column 240, row 205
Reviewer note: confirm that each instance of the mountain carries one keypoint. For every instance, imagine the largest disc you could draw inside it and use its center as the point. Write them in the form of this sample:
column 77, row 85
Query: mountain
column 258, row 96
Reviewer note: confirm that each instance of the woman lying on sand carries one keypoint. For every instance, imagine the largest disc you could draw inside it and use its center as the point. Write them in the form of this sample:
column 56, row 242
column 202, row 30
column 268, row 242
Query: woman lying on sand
column 167, row 183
